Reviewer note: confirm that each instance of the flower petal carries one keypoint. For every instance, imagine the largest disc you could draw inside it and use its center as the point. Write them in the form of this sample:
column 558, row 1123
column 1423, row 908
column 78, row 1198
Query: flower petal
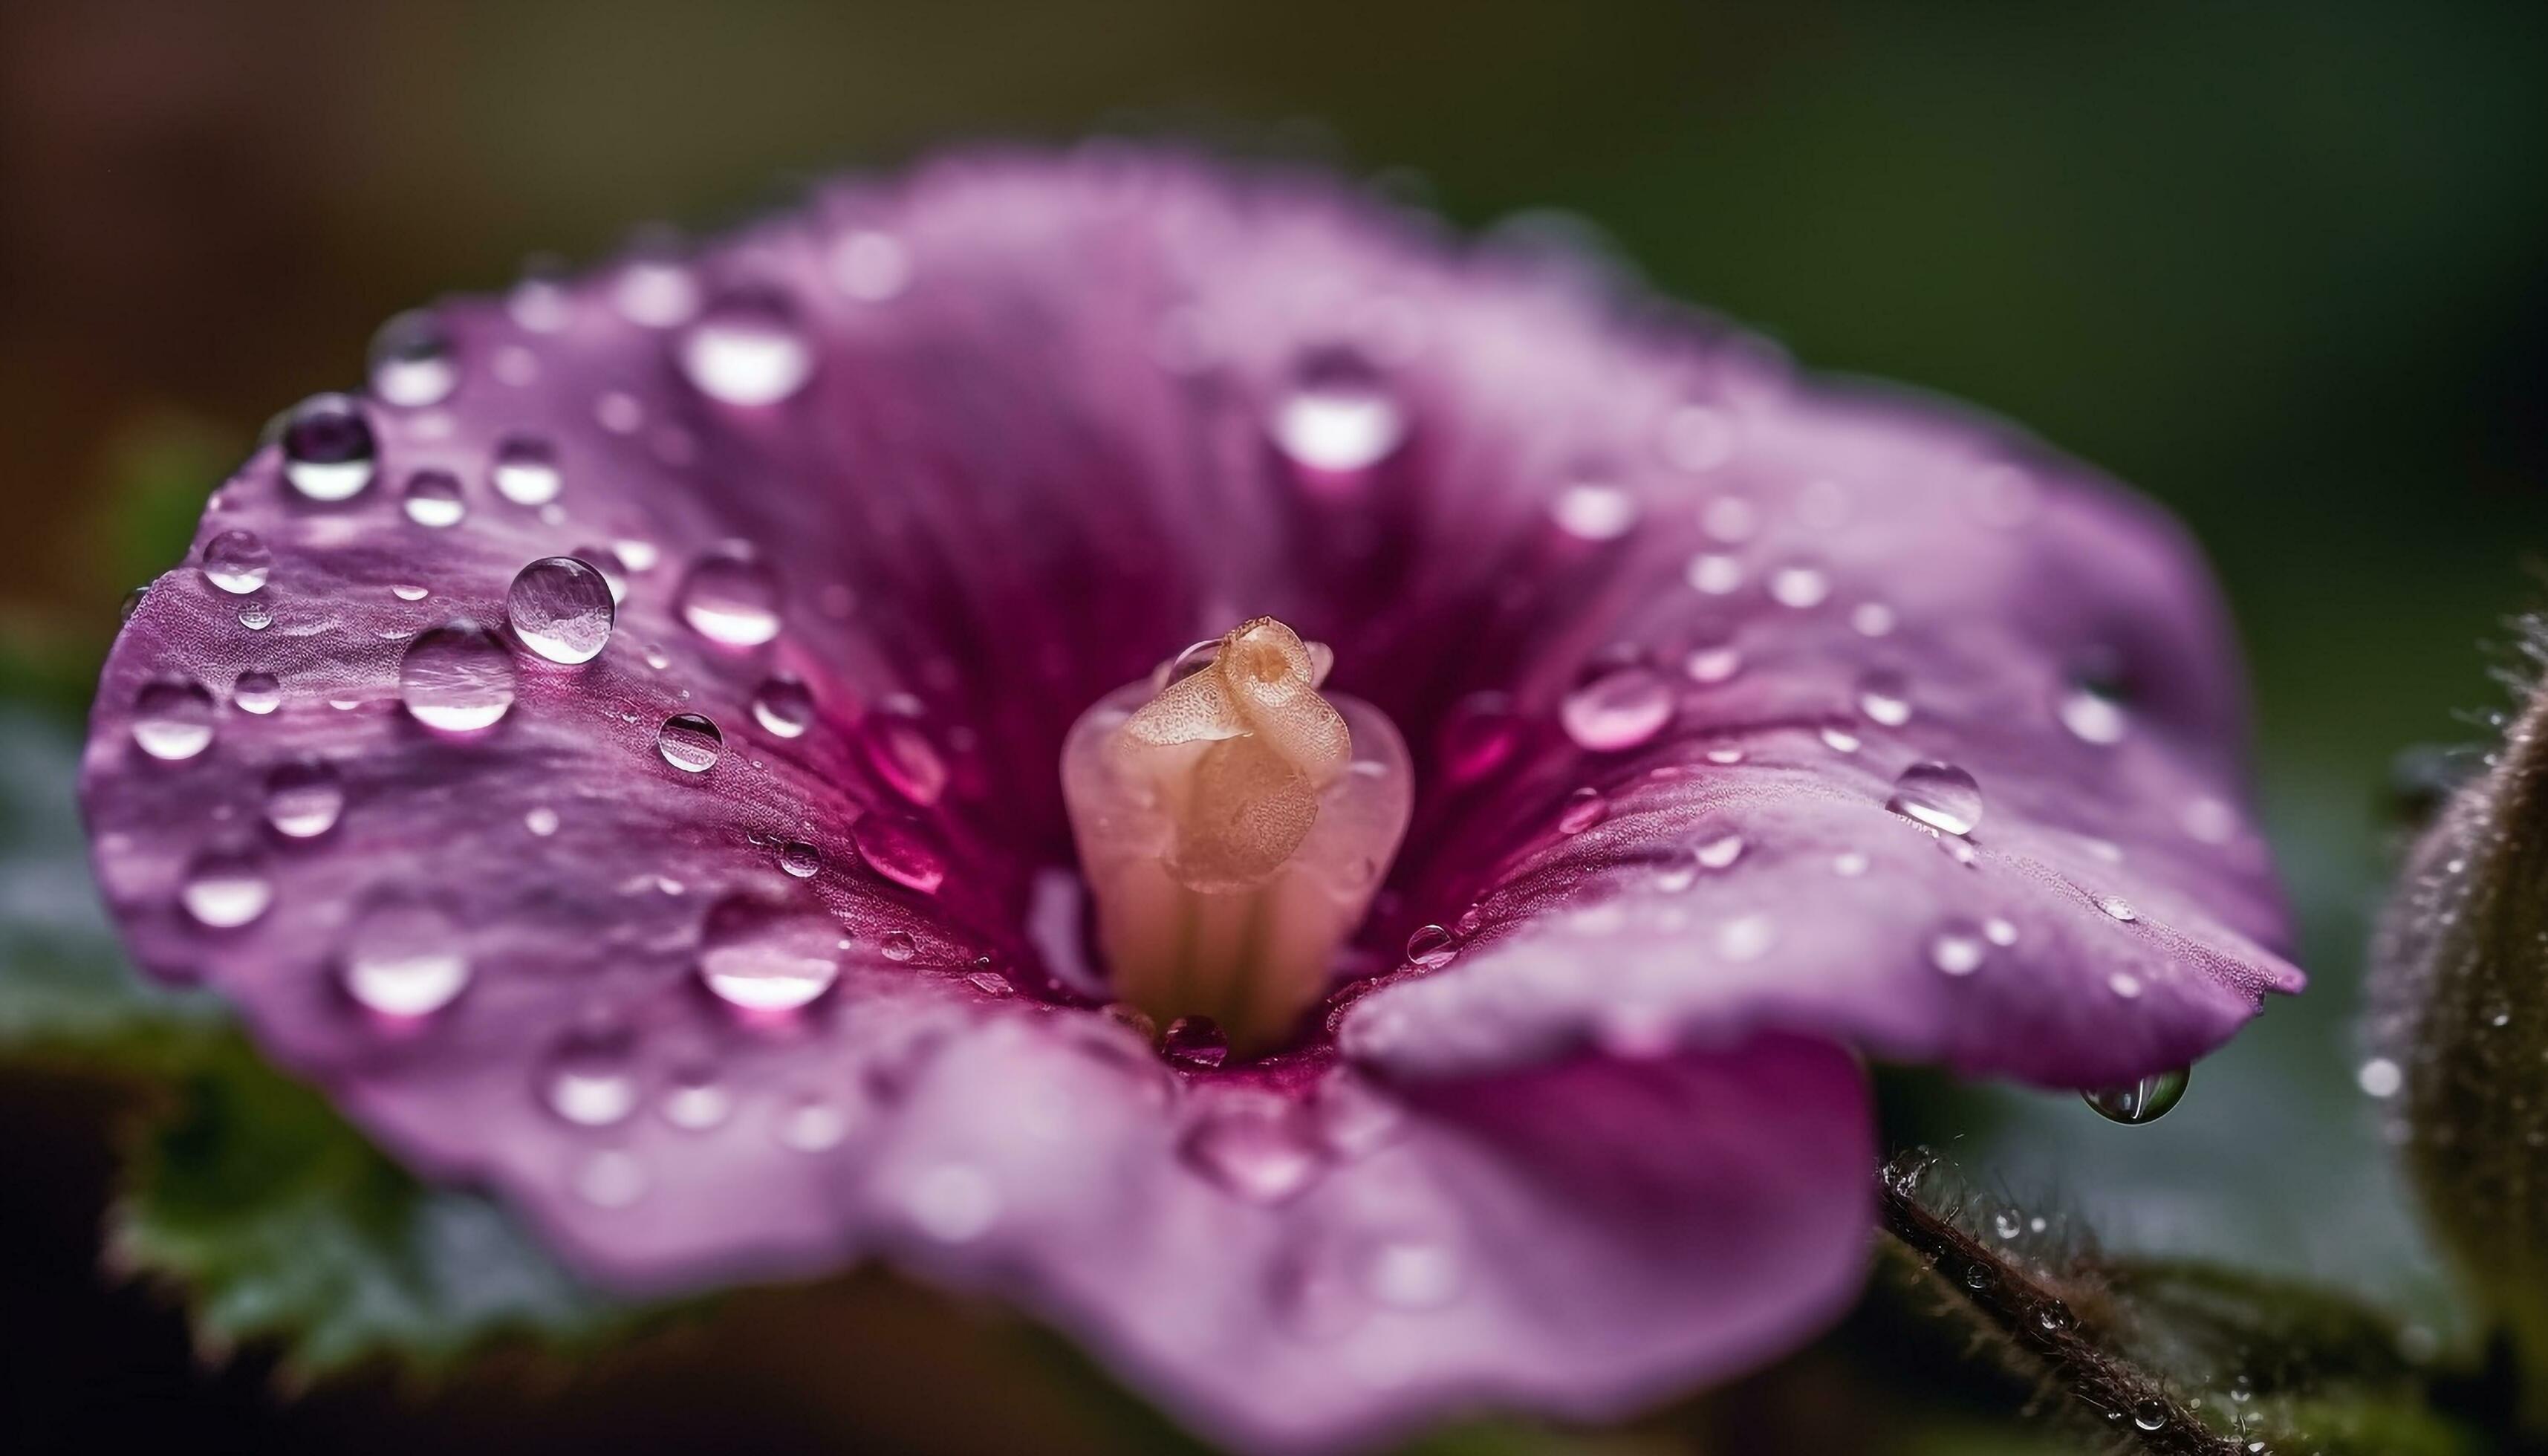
column 705, row 939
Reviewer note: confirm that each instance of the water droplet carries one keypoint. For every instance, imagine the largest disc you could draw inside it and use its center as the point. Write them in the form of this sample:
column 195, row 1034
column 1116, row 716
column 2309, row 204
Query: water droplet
column 172, row 718
column 655, row 288
column 1593, row 512
column 327, row 448
column 2379, row 1077
column 237, row 562
column 1960, row 949
column 2124, row 984
column 1260, row 1148
column 1746, row 938
column 1583, row 808
column 457, row 679
column 1720, row 853
column 2054, row 1318
column 257, row 693
column 1884, row 696
column 541, row 821
column 304, row 799
column 2118, row 908
column 2144, row 1101
column 953, row 1203
column 1431, row 946
column 690, row 742
column 899, row 946
column 813, row 1124
column 1713, row 574
column 695, row 1100
column 411, row 361
column 1617, row 708
column 527, row 471
column 895, row 848
column 1479, row 734
column 1839, row 740
column 256, row 617
column 871, row 266
column 766, row 958
column 2092, row 717
column 731, row 597
column 226, row 889
column 2150, row 1414
column 1712, row 665
column 783, row 706
column 433, row 499
column 1414, row 1274
column 1338, row 418
column 591, row 1079
column 746, row 350
column 1940, row 795
column 1799, row 586
column 1848, row 864
column 2008, row 1223
column 1195, row 1042
column 898, row 748
column 561, row 609
column 409, row 592
column 403, row 960
column 540, row 302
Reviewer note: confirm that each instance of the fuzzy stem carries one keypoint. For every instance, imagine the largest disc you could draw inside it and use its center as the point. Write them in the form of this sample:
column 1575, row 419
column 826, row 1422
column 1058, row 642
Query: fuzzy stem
column 2026, row 1312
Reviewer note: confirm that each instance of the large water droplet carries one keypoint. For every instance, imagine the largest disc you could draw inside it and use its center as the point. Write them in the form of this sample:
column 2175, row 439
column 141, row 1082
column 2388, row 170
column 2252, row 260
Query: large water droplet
column 746, row 350
column 1940, row 795
column 413, row 365
column 1260, row 1148
column 1617, row 708
column 1338, row 418
column 764, row 957
column 172, row 718
column 403, row 960
column 590, row 1077
column 327, row 448
column 895, row 848
column 731, row 597
column 226, row 889
column 2144, row 1101
column 237, row 562
column 800, row 859
column 783, row 706
column 690, row 742
column 561, row 609
column 457, row 679
column 304, row 799
column 1583, row 809
column 258, row 693
column 433, row 499
column 526, row 471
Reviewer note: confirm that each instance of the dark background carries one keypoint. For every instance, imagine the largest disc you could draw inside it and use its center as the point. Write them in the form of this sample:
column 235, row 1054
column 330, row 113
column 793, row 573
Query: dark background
column 2279, row 264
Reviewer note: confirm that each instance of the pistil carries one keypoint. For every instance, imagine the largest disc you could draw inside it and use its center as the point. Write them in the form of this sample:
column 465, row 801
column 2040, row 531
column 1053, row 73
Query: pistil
column 1232, row 826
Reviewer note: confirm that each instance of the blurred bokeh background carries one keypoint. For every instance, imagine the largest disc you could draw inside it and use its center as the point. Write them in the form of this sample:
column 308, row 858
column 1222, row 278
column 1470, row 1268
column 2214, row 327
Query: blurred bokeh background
column 2285, row 266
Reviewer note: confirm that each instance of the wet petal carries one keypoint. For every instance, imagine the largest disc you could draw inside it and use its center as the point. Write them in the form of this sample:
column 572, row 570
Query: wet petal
column 683, row 895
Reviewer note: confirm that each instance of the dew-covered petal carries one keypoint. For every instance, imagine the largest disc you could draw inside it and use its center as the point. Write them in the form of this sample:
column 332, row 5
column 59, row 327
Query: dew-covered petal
column 884, row 491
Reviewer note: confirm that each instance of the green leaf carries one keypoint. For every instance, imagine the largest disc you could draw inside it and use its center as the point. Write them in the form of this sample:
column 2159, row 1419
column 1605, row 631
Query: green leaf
column 283, row 1223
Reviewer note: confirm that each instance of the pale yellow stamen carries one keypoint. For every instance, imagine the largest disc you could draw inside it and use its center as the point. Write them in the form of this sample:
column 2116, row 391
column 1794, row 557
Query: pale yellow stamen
column 1232, row 826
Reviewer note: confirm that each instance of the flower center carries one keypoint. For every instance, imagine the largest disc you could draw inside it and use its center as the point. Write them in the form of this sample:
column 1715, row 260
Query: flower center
column 1232, row 826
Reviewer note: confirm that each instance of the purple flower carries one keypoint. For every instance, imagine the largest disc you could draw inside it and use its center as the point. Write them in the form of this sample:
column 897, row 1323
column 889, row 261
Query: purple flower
column 618, row 758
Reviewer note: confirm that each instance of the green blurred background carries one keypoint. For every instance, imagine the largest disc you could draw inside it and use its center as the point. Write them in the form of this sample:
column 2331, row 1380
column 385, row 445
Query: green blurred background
column 2285, row 266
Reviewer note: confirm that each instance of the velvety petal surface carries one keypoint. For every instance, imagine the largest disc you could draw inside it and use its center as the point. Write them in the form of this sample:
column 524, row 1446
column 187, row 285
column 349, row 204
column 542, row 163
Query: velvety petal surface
column 742, row 943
